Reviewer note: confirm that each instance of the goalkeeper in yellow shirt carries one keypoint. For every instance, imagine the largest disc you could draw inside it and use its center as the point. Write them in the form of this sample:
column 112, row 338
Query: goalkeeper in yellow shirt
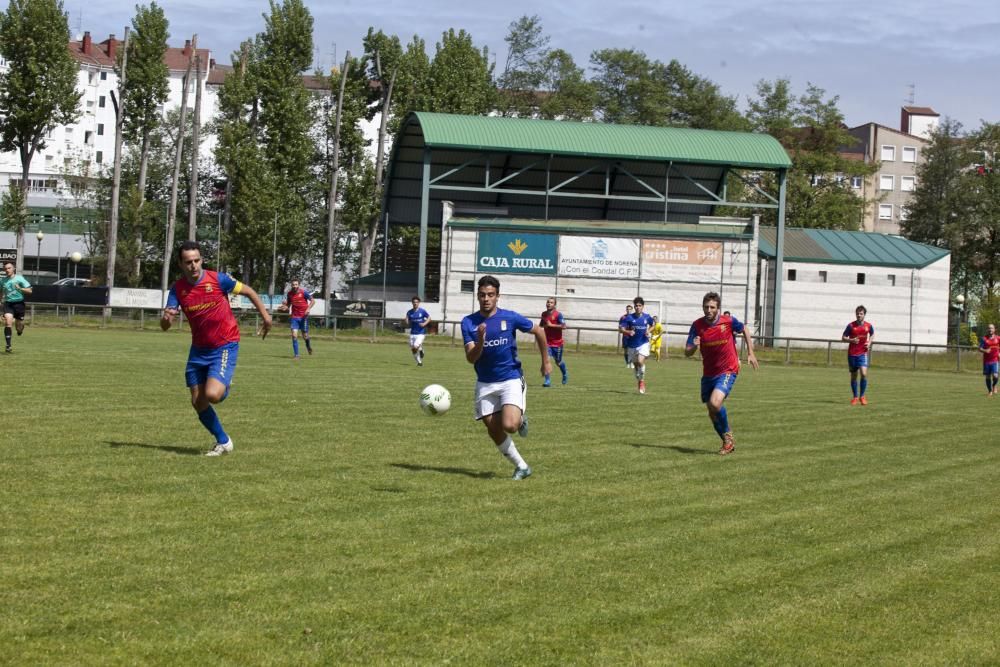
column 656, row 333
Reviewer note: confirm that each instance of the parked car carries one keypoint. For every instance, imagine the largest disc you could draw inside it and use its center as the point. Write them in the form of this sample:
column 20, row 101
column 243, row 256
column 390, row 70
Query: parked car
column 73, row 282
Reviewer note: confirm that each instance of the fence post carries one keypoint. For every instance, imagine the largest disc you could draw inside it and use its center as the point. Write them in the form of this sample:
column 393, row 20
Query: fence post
column 788, row 351
column 829, row 353
column 958, row 356
column 335, row 328
column 374, row 328
column 577, row 340
column 914, row 357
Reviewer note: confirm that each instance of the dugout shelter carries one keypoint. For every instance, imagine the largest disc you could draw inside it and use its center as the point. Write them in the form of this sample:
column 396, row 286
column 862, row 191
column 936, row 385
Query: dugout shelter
column 593, row 213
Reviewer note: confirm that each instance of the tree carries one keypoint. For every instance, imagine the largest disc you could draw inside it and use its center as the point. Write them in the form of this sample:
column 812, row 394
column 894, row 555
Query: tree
column 956, row 204
column 524, row 71
column 565, row 92
column 812, row 130
column 460, row 78
column 623, row 87
column 146, row 88
column 38, row 90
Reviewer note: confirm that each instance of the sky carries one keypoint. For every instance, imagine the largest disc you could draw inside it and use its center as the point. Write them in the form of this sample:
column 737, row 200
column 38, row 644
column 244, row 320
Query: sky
column 877, row 58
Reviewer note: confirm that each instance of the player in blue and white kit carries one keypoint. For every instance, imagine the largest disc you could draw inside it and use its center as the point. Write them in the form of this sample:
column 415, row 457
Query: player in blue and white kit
column 621, row 323
column 636, row 326
column 491, row 345
column 417, row 319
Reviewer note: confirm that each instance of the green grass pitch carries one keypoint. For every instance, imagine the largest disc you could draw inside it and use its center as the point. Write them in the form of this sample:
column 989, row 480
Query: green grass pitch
column 350, row 528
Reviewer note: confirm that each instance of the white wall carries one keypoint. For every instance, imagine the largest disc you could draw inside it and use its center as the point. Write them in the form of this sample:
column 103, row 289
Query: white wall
column 913, row 311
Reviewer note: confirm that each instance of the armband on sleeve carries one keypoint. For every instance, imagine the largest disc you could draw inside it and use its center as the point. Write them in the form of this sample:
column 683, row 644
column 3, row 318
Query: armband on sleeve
column 237, row 288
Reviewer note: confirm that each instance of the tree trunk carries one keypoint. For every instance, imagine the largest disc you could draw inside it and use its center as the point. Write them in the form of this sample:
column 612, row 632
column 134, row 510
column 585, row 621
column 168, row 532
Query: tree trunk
column 331, row 202
column 368, row 243
column 26, row 155
column 193, row 186
column 143, row 164
column 116, row 180
column 172, row 210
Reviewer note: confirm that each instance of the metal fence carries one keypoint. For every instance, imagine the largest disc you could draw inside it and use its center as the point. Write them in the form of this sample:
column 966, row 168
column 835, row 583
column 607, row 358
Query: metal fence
column 787, row 351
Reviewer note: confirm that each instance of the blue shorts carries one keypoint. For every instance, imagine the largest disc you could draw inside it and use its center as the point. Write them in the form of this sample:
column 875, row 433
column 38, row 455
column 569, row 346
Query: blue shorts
column 856, row 361
column 218, row 363
column 991, row 368
column 555, row 351
column 300, row 324
column 723, row 383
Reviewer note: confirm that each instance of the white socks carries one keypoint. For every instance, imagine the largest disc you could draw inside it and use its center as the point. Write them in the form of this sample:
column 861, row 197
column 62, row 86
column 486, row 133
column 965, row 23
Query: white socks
column 509, row 450
column 640, row 372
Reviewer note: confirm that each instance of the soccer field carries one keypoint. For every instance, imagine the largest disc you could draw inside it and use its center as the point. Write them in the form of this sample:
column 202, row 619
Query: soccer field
column 348, row 527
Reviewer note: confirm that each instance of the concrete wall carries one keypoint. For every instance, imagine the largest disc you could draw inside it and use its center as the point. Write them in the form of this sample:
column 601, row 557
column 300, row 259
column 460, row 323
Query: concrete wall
column 914, row 310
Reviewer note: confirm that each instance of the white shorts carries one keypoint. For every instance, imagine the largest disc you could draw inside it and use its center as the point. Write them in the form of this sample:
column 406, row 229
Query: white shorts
column 416, row 340
column 634, row 352
column 492, row 396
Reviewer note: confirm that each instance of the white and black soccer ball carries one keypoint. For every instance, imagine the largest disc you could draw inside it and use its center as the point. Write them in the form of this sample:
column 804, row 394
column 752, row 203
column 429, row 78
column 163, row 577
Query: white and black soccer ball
column 435, row 400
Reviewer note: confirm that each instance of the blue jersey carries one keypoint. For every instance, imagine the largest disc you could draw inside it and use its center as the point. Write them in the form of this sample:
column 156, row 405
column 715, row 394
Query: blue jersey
column 415, row 316
column 621, row 323
column 499, row 360
column 640, row 324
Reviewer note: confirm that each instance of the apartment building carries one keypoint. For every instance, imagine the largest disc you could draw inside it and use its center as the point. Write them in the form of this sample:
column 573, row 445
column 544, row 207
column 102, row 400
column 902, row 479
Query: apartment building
column 899, row 153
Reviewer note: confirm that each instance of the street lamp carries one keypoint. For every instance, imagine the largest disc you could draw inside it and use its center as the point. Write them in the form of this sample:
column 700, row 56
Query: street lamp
column 38, row 258
column 76, row 258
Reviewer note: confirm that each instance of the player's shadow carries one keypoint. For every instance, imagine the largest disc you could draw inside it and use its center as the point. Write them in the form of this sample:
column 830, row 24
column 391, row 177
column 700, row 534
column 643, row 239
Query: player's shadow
column 451, row 471
column 186, row 451
column 676, row 448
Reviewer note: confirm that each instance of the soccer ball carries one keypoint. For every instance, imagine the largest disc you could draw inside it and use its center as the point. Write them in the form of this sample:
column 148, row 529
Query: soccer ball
column 435, row 400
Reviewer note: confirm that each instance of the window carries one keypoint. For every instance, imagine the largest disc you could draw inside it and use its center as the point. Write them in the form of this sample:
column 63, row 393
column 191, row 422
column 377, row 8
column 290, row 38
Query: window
column 791, row 275
column 886, row 181
column 100, row 129
column 892, row 280
column 907, row 183
column 856, row 182
column 817, row 180
column 468, row 286
column 888, row 154
column 861, row 279
column 909, row 153
column 102, row 101
column 885, row 211
column 822, row 276
column 99, row 158
column 91, row 76
column 104, row 76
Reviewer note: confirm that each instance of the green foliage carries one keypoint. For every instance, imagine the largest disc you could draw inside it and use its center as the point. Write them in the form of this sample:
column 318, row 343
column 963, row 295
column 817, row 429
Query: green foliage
column 460, row 78
column 820, row 541
column 38, row 90
column 524, row 72
column 812, row 130
column 13, row 213
column 957, row 206
column 146, row 80
column 565, row 92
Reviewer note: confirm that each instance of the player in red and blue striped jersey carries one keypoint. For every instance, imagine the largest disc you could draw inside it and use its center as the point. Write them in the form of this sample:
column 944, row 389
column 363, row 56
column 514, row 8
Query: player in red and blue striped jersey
column 215, row 335
column 298, row 302
column 859, row 334
column 713, row 333
column 989, row 346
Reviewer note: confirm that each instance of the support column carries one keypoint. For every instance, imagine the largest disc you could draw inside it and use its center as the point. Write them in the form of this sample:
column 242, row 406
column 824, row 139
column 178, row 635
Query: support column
column 425, row 201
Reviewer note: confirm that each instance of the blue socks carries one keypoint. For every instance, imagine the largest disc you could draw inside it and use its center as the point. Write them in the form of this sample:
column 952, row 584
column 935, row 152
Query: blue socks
column 308, row 345
column 210, row 421
column 854, row 388
column 562, row 367
column 721, row 422
column 864, row 385
column 295, row 346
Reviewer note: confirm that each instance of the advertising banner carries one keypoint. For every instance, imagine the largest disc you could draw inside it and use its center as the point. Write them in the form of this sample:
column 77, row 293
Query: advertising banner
column 8, row 255
column 598, row 257
column 514, row 252
column 677, row 259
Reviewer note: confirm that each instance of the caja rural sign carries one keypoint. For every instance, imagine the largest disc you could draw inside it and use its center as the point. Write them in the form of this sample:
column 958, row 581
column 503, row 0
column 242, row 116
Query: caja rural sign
column 511, row 252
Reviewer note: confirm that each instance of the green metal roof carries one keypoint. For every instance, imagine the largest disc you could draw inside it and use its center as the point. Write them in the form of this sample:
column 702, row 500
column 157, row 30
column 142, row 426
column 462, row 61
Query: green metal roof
column 601, row 227
column 631, row 142
column 827, row 246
